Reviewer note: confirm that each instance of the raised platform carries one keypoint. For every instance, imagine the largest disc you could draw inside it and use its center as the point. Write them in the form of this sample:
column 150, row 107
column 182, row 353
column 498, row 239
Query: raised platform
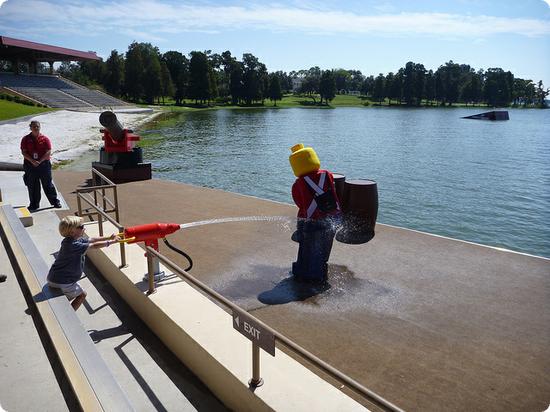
column 429, row 323
column 124, row 173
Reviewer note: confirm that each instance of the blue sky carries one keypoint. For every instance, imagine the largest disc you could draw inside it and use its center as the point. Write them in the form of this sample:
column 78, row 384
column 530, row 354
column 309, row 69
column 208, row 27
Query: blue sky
column 371, row 36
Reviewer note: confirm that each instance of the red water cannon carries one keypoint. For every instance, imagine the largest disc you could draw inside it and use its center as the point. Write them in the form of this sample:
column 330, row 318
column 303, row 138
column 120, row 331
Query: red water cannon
column 117, row 138
column 120, row 158
column 126, row 143
column 149, row 233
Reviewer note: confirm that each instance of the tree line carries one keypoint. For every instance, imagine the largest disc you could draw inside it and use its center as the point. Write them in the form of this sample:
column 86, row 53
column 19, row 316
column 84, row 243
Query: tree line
column 143, row 74
column 455, row 83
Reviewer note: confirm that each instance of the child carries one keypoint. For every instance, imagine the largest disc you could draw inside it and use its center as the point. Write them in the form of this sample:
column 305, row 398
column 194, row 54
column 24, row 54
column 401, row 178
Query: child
column 69, row 263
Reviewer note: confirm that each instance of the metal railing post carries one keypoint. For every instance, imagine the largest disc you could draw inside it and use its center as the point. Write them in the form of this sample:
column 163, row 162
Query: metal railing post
column 256, row 379
column 104, row 202
column 100, row 223
column 117, row 214
column 122, row 254
column 79, row 204
column 101, row 183
column 151, row 272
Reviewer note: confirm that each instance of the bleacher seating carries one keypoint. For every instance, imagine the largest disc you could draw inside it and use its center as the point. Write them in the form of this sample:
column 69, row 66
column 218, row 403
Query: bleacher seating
column 55, row 91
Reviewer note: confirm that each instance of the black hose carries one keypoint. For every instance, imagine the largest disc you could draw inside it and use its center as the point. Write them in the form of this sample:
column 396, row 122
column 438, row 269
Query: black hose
column 181, row 252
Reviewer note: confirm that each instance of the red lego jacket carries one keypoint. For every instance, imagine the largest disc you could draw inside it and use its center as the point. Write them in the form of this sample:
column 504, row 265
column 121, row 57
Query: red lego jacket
column 302, row 194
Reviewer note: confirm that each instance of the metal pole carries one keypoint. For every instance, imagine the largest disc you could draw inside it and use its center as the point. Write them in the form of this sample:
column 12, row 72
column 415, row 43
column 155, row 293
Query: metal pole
column 117, row 213
column 98, row 210
column 156, row 267
column 79, row 203
column 94, row 177
column 103, row 198
column 155, row 264
column 256, row 379
column 122, row 253
column 151, row 273
column 100, row 223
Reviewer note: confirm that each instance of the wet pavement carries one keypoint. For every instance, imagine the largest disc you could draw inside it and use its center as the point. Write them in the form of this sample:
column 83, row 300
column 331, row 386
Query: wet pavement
column 427, row 322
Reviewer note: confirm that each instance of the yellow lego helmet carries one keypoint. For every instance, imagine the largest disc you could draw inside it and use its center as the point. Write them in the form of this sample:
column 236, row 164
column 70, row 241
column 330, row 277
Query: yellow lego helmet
column 303, row 160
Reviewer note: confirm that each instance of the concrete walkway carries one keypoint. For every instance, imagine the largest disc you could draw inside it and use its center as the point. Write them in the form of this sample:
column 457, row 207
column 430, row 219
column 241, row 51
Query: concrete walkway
column 24, row 365
column 429, row 323
column 148, row 373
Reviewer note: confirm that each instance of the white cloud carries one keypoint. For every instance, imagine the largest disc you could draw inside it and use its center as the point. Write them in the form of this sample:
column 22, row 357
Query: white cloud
column 547, row 2
column 2, row 2
column 151, row 18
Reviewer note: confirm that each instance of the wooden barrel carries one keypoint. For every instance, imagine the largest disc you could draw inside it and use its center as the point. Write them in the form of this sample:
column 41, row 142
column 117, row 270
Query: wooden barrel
column 360, row 209
column 339, row 181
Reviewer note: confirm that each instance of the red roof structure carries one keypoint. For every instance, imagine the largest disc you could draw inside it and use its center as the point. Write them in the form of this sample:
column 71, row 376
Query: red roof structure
column 24, row 50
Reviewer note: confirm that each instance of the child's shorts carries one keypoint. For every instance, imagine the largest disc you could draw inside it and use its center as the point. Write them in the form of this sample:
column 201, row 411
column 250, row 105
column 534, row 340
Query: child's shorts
column 71, row 290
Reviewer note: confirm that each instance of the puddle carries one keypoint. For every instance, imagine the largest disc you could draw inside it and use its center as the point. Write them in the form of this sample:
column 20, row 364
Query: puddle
column 251, row 283
column 262, row 285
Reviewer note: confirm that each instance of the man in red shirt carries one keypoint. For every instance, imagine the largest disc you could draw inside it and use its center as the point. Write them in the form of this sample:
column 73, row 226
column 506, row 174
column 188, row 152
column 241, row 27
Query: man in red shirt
column 36, row 149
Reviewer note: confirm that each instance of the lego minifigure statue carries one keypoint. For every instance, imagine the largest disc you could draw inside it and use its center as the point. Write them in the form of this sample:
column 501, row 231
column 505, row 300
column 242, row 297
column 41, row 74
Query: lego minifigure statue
column 318, row 215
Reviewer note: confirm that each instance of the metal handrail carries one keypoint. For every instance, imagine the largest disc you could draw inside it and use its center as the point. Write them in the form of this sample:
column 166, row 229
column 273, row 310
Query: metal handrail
column 103, row 197
column 101, row 212
column 110, row 184
column 98, row 211
column 102, row 177
column 372, row 397
column 93, row 188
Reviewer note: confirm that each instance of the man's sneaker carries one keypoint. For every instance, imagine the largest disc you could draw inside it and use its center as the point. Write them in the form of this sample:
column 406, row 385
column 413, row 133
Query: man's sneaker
column 32, row 208
column 57, row 205
column 3, row 278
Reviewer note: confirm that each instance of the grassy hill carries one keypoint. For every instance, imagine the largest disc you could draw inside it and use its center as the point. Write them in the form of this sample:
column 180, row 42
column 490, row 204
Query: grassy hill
column 12, row 110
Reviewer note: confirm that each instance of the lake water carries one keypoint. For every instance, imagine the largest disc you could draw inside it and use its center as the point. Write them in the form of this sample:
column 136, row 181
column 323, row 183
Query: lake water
column 481, row 181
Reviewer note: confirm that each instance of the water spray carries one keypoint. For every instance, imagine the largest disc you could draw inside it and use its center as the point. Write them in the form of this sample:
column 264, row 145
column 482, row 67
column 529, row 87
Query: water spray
column 238, row 219
column 151, row 233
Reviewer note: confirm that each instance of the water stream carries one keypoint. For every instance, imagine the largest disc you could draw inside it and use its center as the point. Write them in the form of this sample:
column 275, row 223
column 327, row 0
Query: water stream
column 286, row 219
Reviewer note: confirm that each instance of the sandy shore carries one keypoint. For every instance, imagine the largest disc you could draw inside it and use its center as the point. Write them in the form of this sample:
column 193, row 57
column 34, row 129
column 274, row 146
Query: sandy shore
column 71, row 133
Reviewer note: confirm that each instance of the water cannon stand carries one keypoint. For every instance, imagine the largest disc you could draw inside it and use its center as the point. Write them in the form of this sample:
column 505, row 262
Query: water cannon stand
column 150, row 235
column 120, row 160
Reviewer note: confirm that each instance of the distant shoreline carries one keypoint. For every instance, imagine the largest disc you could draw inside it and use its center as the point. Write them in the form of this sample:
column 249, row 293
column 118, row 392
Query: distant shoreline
column 306, row 102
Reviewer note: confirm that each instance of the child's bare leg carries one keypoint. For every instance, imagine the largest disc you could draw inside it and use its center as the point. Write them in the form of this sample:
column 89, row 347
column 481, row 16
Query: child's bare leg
column 78, row 300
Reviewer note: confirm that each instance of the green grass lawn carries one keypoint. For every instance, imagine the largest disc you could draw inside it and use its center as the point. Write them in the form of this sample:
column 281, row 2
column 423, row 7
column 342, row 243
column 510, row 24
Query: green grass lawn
column 291, row 100
column 11, row 110
column 287, row 101
column 340, row 100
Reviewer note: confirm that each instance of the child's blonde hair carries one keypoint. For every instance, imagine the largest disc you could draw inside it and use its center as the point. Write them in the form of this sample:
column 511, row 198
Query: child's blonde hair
column 68, row 224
